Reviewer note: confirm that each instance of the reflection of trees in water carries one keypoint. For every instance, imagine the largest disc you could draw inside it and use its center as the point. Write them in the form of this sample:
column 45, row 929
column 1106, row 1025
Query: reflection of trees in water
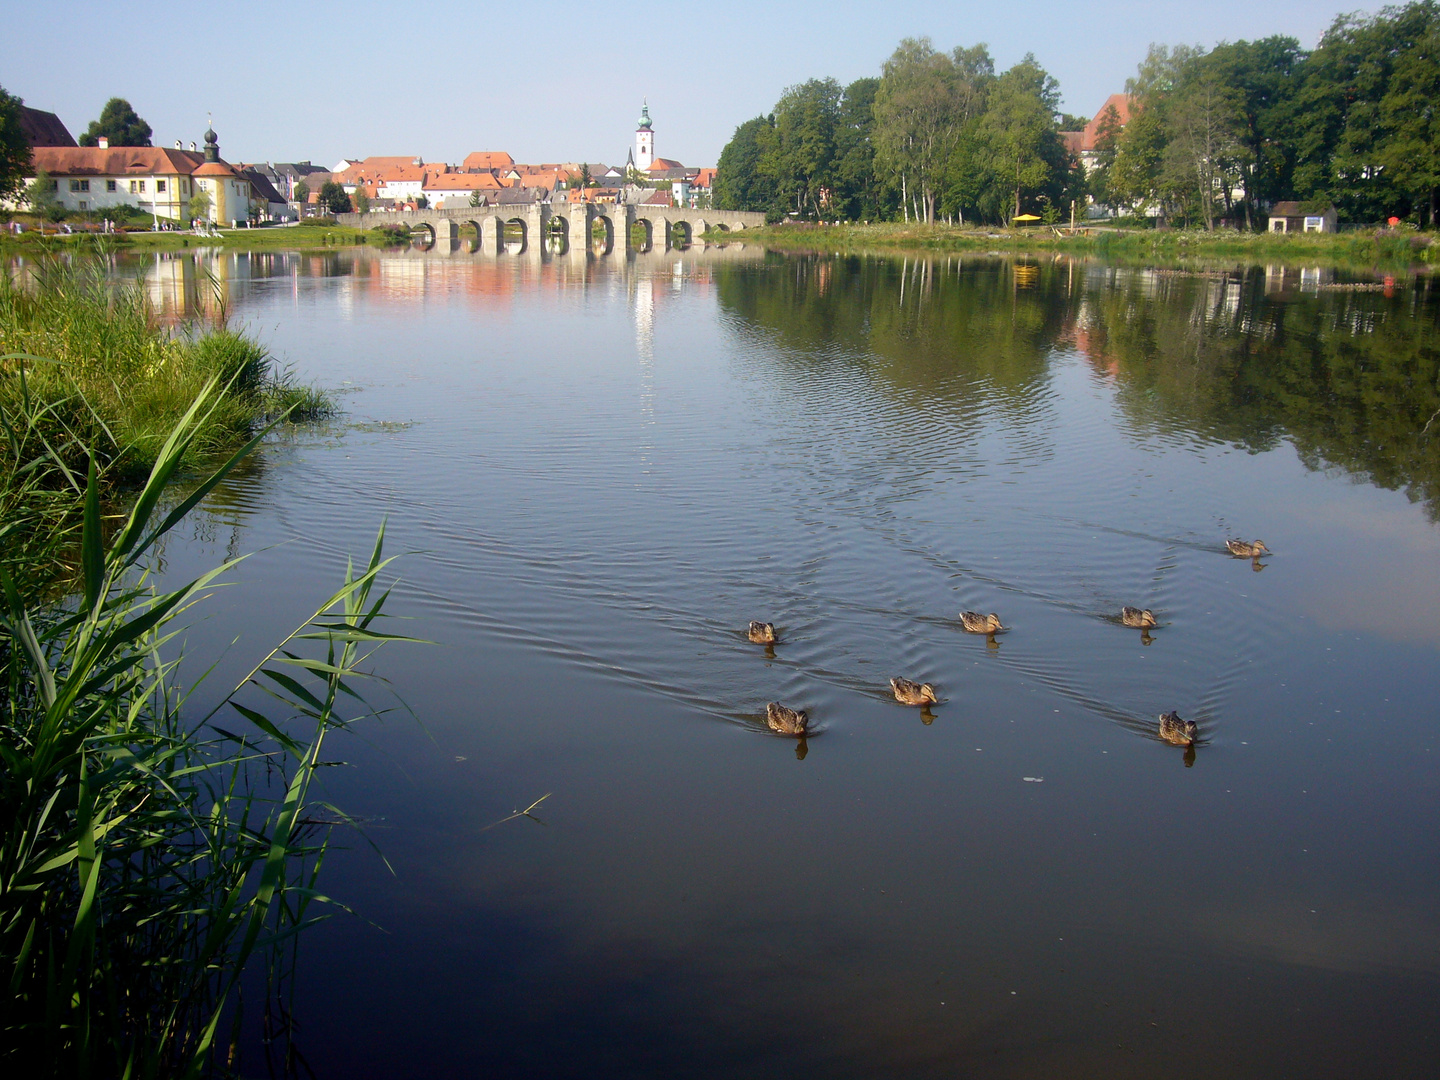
column 1351, row 379
column 941, row 326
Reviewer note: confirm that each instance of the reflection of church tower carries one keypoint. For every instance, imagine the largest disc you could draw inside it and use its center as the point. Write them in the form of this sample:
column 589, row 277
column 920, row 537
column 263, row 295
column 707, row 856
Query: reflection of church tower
column 644, row 141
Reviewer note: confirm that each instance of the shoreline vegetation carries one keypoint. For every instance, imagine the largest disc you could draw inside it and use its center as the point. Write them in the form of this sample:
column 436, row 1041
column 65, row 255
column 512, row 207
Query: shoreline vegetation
column 149, row 857
column 304, row 237
column 1392, row 249
column 88, row 372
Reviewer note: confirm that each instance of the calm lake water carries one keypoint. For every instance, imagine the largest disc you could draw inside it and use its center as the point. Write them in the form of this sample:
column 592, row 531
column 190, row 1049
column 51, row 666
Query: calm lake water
column 603, row 470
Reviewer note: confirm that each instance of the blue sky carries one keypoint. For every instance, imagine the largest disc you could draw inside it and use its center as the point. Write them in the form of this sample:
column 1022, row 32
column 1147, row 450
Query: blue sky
column 550, row 82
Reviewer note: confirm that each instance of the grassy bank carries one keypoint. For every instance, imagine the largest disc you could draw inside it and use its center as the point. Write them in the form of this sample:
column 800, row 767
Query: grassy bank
column 1374, row 248
column 149, row 857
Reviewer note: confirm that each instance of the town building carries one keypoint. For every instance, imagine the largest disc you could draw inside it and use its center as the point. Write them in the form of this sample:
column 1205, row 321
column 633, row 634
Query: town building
column 1084, row 145
column 155, row 180
column 1287, row 217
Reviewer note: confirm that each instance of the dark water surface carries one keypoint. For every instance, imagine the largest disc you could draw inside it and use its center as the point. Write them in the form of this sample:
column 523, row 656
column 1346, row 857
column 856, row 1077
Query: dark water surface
column 605, row 470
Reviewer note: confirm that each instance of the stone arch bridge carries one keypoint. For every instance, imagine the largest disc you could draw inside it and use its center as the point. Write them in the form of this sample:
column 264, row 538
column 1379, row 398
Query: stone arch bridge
column 573, row 224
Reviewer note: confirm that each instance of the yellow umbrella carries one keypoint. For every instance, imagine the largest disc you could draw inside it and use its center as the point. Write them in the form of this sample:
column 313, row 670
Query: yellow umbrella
column 1026, row 217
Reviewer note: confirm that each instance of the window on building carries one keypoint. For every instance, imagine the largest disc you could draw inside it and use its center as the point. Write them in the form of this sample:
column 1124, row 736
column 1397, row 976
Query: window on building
column 134, row 186
column 110, row 185
column 79, row 185
column 159, row 185
column 142, row 185
column 83, row 205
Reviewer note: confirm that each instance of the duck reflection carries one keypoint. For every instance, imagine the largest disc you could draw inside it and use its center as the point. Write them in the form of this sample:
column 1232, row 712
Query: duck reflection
column 801, row 749
column 1189, row 758
column 926, row 716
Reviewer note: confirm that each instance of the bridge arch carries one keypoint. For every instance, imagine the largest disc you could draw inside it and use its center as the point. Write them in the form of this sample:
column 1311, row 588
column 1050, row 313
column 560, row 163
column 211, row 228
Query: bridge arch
column 524, row 241
column 429, row 230
column 602, row 234
column 647, row 227
column 681, row 234
column 557, row 235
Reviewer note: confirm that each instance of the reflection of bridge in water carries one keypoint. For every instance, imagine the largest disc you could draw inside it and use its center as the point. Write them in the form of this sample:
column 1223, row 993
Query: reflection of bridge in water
column 574, row 228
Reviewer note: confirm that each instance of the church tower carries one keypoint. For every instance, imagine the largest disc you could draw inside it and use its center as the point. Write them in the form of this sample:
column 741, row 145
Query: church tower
column 644, row 141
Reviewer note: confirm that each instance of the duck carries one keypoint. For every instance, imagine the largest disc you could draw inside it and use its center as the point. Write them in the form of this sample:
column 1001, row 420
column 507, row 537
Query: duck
column 912, row 693
column 976, row 623
column 1176, row 731
column 1247, row 549
column 1140, row 618
column 785, row 721
column 762, row 633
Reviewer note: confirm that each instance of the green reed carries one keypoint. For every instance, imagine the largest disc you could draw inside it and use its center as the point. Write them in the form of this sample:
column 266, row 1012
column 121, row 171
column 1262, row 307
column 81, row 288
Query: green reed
column 149, row 857
column 88, row 370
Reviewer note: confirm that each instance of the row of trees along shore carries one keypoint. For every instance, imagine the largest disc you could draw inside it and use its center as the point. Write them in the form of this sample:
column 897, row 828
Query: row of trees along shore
column 1214, row 136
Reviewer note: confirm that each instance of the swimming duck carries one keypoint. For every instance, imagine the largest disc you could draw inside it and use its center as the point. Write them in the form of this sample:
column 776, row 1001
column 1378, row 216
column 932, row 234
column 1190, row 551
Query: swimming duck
column 912, row 693
column 1177, row 731
column 1247, row 549
column 787, row 721
column 1142, row 619
column 976, row 623
column 762, row 633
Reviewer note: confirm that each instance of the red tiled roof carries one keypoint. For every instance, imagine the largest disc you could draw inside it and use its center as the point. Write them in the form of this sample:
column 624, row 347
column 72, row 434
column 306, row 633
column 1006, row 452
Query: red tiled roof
column 114, row 160
column 1122, row 106
column 485, row 160
column 665, row 163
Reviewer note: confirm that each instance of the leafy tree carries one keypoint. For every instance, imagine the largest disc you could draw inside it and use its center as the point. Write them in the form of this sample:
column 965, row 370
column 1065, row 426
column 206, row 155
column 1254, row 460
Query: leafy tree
column 40, row 196
column 739, row 182
column 1017, row 133
column 1134, row 180
column 800, row 156
column 421, row 203
column 1107, row 148
column 1342, row 128
column 334, row 199
column 1204, row 154
column 120, row 124
column 199, row 205
column 1410, row 114
column 1265, row 76
column 14, row 149
column 302, row 192
column 361, row 201
column 920, row 109
column 858, row 192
